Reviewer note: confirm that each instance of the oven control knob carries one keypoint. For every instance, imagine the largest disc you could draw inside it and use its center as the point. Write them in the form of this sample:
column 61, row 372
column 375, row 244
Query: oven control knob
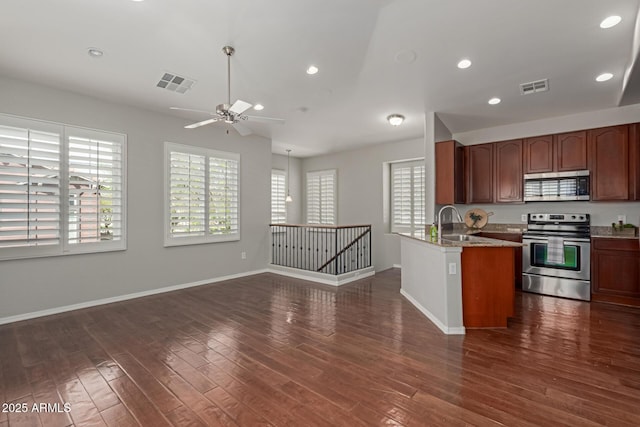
column 581, row 217
column 574, row 217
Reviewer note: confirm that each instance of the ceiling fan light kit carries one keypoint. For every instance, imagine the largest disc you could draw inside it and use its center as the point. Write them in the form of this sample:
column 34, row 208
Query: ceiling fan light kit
column 227, row 112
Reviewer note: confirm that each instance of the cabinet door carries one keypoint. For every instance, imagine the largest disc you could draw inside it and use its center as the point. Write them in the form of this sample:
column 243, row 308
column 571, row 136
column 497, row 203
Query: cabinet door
column 634, row 160
column 517, row 252
column 538, row 154
column 479, row 173
column 571, row 151
column 449, row 172
column 508, row 171
column 608, row 153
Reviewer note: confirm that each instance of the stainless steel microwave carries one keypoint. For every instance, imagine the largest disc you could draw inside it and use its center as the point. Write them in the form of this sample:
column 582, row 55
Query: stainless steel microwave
column 556, row 186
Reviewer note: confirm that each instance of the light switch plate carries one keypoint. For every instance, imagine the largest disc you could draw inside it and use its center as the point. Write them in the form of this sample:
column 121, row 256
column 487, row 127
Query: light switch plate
column 523, row 217
column 453, row 268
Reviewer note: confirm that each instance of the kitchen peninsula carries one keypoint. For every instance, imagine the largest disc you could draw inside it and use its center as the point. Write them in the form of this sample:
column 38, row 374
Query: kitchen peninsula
column 464, row 281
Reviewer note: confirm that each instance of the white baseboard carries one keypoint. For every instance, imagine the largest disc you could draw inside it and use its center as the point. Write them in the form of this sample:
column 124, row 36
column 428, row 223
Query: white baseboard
column 323, row 278
column 447, row 330
column 397, row 266
column 87, row 304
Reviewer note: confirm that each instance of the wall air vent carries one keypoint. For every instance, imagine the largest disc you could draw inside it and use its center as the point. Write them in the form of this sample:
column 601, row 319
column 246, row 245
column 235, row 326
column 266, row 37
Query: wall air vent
column 175, row 83
column 533, row 87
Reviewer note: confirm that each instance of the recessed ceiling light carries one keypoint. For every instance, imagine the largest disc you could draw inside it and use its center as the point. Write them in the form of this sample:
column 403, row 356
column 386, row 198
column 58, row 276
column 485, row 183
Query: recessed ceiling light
column 395, row 119
column 94, row 52
column 494, row 101
column 312, row 69
column 465, row 63
column 258, row 107
column 610, row 21
column 604, row 77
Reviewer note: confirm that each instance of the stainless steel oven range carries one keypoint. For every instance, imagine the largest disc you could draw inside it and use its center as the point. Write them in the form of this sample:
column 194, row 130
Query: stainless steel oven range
column 556, row 255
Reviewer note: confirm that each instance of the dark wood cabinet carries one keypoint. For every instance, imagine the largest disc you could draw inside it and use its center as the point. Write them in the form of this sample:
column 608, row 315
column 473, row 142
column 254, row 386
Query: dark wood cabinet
column 508, row 171
column 517, row 252
column 615, row 270
column 538, row 154
column 478, row 161
column 556, row 153
column 634, row 161
column 449, row 173
column 570, row 151
column 608, row 153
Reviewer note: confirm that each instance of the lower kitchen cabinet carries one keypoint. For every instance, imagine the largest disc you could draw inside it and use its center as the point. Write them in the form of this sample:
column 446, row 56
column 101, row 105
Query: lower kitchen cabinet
column 615, row 270
column 517, row 253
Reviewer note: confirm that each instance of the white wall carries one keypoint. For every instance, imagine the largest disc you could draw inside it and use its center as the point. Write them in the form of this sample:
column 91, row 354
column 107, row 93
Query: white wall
column 46, row 283
column 294, row 209
column 573, row 122
column 602, row 213
column 360, row 190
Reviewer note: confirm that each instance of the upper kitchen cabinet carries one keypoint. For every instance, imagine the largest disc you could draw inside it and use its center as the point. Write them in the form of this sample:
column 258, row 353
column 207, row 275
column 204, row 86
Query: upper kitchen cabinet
column 608, row 153
column 556, row 153
column 508, row 171
column 449, row 173
column 538, row 154
column 478, row 160
column 570, row 151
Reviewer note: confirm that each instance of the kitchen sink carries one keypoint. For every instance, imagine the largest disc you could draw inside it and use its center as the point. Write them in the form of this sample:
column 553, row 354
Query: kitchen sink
column 462, row 238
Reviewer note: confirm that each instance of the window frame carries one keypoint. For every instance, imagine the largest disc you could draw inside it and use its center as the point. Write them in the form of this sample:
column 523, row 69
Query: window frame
column 400, row 228
column 64, row 248
column 283, row 174
column 169, row 240
column 327, row 172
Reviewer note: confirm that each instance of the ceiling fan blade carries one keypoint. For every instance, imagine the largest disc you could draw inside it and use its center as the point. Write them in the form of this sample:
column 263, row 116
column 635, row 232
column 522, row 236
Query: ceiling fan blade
column 264, row 119
column 190, row 109
column 239, row 107
column 242, row 130
column 202, row 123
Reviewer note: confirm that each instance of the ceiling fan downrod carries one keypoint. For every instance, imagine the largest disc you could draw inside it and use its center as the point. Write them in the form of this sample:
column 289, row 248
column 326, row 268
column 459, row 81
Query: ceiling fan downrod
column 228, row 50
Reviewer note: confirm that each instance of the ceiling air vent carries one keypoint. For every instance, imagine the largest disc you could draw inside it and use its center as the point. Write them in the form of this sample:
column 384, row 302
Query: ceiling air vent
column 533, row 87
column 175, row 83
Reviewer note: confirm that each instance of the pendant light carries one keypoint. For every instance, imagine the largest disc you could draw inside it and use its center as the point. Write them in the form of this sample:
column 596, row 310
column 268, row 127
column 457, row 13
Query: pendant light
column 288, row 198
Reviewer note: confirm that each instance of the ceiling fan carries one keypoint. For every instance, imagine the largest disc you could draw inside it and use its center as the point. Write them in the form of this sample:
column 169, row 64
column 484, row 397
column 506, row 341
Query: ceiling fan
column 229, row 113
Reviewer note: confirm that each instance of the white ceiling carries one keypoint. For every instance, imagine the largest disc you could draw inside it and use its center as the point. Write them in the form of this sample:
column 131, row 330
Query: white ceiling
column 356, row 45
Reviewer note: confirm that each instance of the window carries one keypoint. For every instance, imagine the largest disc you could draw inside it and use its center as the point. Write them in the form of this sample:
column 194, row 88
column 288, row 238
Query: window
column 278, row 195
column 407, row 196
column 202, row 195
column 62, row 189
column 321, row 197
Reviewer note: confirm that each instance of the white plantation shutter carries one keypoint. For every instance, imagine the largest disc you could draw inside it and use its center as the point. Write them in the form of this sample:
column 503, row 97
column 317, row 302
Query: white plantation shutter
column 95, row 186
column 29, row 187
column 223, row 196
column 203, row 188
column 59, row 186
column 278, row 195
column 407, row 196
column 187, row 194
column 321, row 197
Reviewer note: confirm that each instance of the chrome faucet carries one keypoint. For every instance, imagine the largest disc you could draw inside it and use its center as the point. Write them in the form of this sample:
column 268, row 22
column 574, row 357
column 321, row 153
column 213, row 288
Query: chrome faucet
column 440, row 219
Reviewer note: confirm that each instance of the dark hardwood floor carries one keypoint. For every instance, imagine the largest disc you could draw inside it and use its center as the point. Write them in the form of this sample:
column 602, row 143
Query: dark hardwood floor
column 269, row 350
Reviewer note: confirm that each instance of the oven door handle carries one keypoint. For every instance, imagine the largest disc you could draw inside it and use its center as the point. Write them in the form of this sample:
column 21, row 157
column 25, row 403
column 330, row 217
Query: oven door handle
column 543, row 240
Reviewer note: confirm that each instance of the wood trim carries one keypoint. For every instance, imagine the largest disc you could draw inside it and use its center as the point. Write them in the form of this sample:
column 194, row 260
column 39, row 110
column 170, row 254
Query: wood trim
column 333, row 227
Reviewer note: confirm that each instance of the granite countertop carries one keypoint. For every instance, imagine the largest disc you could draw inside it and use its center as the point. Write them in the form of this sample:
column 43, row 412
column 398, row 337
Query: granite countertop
column 477, row 242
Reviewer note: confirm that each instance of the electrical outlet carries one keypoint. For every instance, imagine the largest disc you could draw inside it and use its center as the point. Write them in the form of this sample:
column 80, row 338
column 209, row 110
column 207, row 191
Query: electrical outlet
column 523, row 217
column 453, row 268
column 622, row 218
column 243, row 255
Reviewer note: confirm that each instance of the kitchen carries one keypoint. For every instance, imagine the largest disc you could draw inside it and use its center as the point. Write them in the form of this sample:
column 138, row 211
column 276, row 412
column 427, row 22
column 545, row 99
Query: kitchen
column 564, row 252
